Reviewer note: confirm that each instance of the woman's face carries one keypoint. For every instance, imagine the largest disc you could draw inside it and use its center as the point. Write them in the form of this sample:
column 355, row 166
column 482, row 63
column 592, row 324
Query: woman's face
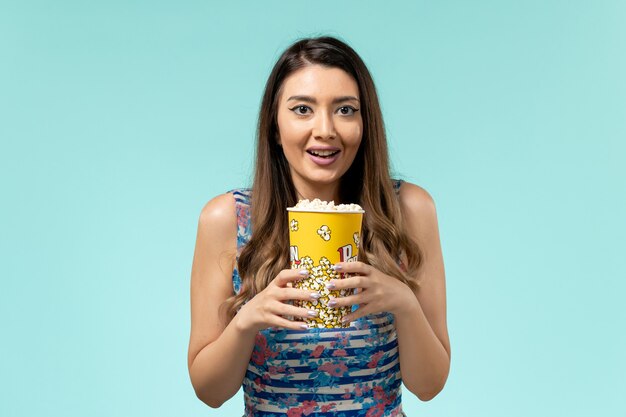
column 320, row 127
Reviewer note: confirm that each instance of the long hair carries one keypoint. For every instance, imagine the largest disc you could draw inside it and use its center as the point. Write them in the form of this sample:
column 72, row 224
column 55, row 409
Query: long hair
column 385, row 245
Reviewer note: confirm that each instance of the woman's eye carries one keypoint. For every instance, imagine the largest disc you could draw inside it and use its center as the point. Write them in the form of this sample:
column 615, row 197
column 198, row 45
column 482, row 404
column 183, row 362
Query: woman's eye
column 347, row 110
column 301, row 110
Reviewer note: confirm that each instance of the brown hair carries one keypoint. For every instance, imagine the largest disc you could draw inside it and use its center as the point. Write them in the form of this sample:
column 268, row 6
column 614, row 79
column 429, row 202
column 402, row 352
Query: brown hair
column 384, row 245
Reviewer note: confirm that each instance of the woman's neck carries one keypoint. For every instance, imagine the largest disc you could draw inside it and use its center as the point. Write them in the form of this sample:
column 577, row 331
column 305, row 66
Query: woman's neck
column 328, row 192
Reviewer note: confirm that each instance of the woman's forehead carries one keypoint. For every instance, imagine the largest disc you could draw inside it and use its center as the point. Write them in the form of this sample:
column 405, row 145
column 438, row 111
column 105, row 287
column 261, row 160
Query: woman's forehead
column 319, row 82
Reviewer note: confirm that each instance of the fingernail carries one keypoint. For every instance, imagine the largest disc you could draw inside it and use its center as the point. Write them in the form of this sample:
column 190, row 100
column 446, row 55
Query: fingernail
column 304, row 326
column 330, row 285
column 344, row 319
column 304, row 272
column 332, row 303
column 312, row 313
column 315, row 295
column 337, row 267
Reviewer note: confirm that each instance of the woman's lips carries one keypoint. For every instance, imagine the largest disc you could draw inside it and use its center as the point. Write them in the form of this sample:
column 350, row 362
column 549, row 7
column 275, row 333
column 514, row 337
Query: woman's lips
column 323, row 161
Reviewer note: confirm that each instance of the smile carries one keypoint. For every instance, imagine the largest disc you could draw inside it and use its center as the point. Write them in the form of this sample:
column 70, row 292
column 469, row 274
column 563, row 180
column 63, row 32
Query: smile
column 322, row 157
column 323, row 153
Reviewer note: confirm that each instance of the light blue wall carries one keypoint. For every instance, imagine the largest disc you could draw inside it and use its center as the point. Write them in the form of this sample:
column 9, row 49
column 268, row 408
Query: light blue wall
column 119, row 120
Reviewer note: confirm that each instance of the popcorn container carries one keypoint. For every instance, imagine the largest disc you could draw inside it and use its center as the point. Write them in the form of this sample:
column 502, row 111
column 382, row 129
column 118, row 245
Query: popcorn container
column 317, row 240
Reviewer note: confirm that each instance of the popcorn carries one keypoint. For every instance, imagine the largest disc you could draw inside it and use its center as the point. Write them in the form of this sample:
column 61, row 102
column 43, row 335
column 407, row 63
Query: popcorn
column 318, row 277
column 319, row 205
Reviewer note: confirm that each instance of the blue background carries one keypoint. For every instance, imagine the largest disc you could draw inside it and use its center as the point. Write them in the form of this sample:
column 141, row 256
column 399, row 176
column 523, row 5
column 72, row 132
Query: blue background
column 120, row 119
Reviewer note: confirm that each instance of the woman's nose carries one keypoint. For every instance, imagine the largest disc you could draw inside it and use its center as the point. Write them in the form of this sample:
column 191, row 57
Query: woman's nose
column 324, row 127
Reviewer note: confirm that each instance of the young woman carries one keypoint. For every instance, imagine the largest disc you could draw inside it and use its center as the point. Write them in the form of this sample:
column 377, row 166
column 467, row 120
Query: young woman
column 320, row 135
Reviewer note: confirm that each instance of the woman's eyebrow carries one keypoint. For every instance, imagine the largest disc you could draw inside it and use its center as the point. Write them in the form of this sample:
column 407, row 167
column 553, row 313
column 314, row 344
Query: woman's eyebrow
column 310, row 99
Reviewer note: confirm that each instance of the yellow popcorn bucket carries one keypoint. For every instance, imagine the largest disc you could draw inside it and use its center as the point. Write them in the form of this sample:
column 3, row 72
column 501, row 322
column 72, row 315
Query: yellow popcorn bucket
column 318, row 240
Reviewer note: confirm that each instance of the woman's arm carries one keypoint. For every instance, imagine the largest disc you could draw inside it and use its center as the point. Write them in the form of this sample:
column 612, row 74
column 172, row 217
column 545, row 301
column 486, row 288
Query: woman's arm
column 422, row 326
column 218, row 356
column 420, row 317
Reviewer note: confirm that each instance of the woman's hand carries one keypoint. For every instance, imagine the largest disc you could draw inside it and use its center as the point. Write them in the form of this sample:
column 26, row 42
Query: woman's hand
column 377, row 293
column 268, row 308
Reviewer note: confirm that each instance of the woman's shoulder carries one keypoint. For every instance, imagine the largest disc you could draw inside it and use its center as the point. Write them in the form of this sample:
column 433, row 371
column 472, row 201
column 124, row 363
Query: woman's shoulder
column 219, row 215
column 415, row 199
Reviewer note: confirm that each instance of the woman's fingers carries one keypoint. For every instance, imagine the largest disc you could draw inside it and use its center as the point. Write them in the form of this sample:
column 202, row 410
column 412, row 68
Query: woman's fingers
column 359, row 268
column 289, row 324
column 286, row 315
column 290, row 275
column 358, row 281
column 271, row 305
column 355, row 299
column 286, row 294
column 289, row 310
column 362, row 311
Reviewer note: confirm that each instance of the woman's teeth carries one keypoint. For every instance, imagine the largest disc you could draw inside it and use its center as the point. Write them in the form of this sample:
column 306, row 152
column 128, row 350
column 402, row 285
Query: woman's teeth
column 323, row 154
